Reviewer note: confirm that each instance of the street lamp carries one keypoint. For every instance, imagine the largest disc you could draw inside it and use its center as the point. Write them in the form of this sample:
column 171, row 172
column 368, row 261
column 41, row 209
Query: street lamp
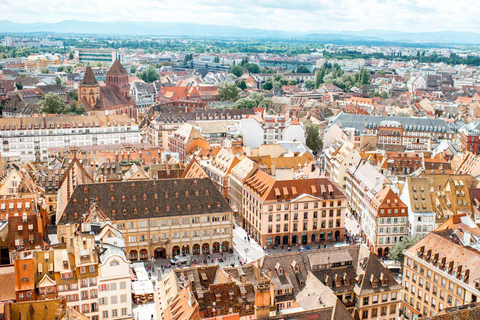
column 246, row 252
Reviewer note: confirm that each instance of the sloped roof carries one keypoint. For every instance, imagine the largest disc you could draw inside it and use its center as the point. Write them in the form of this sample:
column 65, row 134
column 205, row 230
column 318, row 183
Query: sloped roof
column 117, row 69
column 89, row 78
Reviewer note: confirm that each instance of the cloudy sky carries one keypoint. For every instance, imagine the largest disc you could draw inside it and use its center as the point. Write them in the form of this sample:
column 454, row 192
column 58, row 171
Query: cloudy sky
column 400, row 15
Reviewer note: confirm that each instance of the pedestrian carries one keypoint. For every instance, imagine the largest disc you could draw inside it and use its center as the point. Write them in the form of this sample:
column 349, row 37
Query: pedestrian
column 324, row 245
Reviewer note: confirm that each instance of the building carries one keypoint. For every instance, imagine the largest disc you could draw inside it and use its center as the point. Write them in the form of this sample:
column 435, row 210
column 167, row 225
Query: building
column 292, row 212
column 421, row 215
column 97, row 55
column 340, row 156
column 115, row 294
column 216, row 292
column 386, row 223
column 393, row 133
column 185, row 140
column 32, row 136
column 269, row 129
column 470, row 137
column 219, row 168
column 111, row 99
column 442, row 269
column 157, row 218
column 237, row 177
column 356, row 276
column 39, row 62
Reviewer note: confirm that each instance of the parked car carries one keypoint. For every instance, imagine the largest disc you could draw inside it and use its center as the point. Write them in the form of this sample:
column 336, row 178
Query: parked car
column 179, row 259
column 306, row 248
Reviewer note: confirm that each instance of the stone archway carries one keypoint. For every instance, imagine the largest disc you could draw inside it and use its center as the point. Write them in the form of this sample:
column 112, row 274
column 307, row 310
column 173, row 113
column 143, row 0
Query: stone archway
column 160, row 253
column 216, row 247
column 225, row 246
column 144, row 254
column 133, row 255
column 205, row 248
column 196, row 249
column 175, row 251
column 185, row 250
column 380, row 252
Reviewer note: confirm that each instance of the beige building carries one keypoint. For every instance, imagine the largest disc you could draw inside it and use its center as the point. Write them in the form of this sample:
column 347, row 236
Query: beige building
column 157, row 218
column 443, row 269
column 292, row 212
column 219, row 168
column 340, row 156
column 239, row 174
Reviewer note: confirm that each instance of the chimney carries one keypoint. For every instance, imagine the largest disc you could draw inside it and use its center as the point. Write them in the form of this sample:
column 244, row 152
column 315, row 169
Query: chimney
column 466, row 238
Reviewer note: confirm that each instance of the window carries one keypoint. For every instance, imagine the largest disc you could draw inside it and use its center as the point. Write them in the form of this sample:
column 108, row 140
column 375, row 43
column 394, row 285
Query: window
column 105, row 314
column 365, row 301
column 374, row 299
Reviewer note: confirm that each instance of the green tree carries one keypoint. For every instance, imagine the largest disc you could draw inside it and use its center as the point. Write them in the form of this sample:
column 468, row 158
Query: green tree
column 216, row 59
column 228, row 91
column 313, row 141
column 51, row 103
column 380, row 72
column 242, row 85
column 149, row 75
column 70, row 56
column 268, row 85
column 252, row 67
column 80, row 109
column 133, row 69
column 303, row 69
column 58, row 80
column 19, row 86
column 320, row 74
column 265, row 103
column 309, row 85
column 293, row 82
column 245, row 103
column 407, row 242
column 44, row 70
column 236, row 70
column 73, row 95
column 403, row 114
column 257, row 97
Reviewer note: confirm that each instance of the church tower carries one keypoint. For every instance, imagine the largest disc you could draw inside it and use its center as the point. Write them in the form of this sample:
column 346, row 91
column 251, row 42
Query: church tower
column 88, row 89
column 117, row 76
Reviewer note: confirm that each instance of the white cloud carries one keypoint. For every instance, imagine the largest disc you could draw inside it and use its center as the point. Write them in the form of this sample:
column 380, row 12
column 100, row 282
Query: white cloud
column 303, row 15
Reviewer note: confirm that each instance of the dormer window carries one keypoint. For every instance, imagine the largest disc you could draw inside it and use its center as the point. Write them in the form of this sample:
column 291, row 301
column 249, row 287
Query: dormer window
column 113, row 212
column 166, row 195
column 157, row 209
column 155, row 196
column 85, row 201
column 124, row 211
column 112, row 199
column 85, row 190
column 178, row 208
column 176, row 194
column 207, row 193
column 146, row 210
column 135, row 211
column 144, row 196
column 168, row 208
column 74, row 201
column 112, row 188
column 123, row 198
column 197, row 193
column 134, row 198
column 186, row 193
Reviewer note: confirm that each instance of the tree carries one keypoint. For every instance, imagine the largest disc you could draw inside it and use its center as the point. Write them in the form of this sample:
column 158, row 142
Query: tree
column 19, row 86
column 242, row 85
column 303, row 69
column 149, row 75
column 236, row 70
column 314, row 141
column 257, row 97
column 58, row 80
column 268, row 85
column 309, row 85
column 216, row 59
column 380, row 72
column 44, row 70
column 245, row 103
column 265, row 103
column 321, row 72
column 407, row 242
column 252, row 67
column 51, row 103
column 73, row 95
column 228, row 91
column 133, row 69
column 70, row 56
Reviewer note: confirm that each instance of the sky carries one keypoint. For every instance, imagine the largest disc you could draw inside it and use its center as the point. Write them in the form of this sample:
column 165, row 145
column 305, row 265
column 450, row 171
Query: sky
column 301, row 15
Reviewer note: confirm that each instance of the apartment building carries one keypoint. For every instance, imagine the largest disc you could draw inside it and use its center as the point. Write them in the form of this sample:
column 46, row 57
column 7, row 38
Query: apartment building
column 354, row 274
column 185, row 140
column 257, row 130
column 421, row 215
column 237, row 177
column 219, row 168
column 386, row 222
column 30, row 137
column 339, row 157
column 292, row 212
column 441, row 270
column 157, row 218
column 393, row 133
column 97, row 55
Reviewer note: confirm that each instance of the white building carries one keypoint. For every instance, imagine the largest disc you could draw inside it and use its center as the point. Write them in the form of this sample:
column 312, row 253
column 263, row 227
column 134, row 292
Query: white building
column 258, row 130
column 115, row 284
column 340, row 156
column 32, row 136
column 416, row 195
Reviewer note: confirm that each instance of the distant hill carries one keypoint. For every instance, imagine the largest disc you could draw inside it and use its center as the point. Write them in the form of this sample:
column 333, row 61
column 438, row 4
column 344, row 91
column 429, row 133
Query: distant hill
column 203, row 30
